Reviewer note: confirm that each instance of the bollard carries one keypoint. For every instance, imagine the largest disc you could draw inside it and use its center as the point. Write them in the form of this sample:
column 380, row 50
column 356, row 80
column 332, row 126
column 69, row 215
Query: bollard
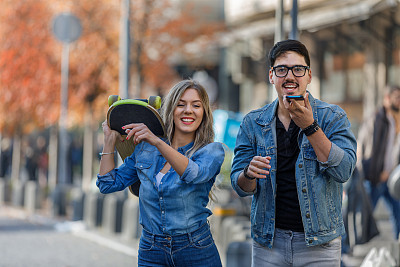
column 131, row 229
column 239, row 254
column 78, row 198
column 18, row 193
column 93, row 209
column 89, row 210
column 32, row 197
column 112, row 214
column 3, row 191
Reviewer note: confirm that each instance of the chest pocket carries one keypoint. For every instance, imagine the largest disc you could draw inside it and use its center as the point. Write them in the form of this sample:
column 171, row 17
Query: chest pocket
column 144, row 170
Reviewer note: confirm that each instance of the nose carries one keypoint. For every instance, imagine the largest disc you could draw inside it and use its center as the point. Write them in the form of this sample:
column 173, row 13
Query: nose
column 290, row 74
column 188, row 109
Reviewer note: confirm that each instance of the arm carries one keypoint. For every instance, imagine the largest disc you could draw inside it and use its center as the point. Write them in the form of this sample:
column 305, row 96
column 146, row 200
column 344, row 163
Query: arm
column 140, row 132
column 334, row 143
column 245, row 154
column 303, row 117
column 110, row 179
column 205, row 164
column 107, row 160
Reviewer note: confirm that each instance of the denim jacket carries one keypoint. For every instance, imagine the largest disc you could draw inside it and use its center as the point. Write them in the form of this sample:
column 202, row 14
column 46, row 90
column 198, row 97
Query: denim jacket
column 319, row 184
column 178, row 205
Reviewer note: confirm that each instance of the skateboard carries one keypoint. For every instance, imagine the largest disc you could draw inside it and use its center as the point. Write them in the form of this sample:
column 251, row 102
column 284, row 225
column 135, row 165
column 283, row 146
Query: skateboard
column 125, row 111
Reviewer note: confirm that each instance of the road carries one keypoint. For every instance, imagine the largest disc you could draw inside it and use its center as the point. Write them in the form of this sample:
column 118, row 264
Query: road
column 32, row 240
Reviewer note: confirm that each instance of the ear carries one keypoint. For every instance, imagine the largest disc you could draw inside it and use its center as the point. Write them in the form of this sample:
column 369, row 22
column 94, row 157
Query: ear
column 270, row 75
column 309, row 76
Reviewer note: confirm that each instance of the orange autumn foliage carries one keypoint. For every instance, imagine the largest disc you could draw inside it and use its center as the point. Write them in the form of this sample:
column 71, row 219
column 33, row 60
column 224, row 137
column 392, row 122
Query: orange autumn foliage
column 30, row 56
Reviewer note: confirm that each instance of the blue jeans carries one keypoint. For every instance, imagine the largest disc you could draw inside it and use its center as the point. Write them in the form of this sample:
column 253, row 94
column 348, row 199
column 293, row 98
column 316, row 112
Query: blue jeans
column 382, row 190
column 289, row 249
column 193, row 249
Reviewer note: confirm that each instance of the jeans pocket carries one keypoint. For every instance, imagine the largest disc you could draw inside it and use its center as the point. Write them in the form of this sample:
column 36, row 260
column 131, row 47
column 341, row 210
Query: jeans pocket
column 203, row 241
column 333, row 244
column 145, row 244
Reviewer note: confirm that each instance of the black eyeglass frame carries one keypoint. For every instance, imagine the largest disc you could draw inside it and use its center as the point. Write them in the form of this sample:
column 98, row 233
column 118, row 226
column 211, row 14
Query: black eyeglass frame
column 291, row 69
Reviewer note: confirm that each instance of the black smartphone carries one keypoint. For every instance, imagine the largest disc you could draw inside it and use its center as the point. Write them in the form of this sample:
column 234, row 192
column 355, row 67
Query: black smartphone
column 294, row 97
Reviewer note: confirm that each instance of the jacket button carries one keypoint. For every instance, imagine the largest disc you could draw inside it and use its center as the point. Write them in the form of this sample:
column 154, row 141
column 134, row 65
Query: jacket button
column 310, row 241
column 304, row 190
column 300, row 165
column 308, row 215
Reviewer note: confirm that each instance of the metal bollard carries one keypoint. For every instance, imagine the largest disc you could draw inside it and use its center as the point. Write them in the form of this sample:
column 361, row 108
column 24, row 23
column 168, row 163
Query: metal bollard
column 78, row 199
column 112, row 214
column 131, row 229
column 32, row 196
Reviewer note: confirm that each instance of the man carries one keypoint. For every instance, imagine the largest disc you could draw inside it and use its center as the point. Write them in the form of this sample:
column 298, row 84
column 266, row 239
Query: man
column 378, row 152
column 293, row 156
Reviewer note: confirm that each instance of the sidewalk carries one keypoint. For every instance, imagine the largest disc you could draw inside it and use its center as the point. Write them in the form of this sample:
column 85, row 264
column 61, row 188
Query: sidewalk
column 384, row 239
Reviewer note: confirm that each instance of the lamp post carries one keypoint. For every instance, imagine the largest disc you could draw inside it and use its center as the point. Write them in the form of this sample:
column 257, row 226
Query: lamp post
column 67, row 29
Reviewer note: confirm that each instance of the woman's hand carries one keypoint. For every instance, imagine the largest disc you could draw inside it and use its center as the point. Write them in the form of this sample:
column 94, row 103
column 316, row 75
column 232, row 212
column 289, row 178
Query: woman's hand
column 140, row 132
column 110, row 136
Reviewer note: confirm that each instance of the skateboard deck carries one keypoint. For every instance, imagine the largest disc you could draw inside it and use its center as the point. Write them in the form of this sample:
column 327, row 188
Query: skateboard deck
column 125, row 111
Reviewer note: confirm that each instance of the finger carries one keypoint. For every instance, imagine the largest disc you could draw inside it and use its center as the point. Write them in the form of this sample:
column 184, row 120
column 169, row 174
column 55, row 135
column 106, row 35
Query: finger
column 307, row 102
column 286, row 103
column 257, row 172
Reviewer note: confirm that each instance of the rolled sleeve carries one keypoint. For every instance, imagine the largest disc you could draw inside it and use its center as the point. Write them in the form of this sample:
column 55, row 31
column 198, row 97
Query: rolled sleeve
column 118, row 179
column 204, row 164
column 335, row 157
column 238, row 189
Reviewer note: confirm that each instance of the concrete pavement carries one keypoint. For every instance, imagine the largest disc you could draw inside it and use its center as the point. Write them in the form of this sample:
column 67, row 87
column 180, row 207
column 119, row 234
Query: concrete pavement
column 36, row 240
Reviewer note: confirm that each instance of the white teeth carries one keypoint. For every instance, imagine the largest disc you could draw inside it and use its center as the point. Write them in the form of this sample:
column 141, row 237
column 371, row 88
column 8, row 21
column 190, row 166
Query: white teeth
column 187, row 120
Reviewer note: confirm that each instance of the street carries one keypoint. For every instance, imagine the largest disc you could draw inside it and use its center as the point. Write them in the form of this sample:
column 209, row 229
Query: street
column 38, row 241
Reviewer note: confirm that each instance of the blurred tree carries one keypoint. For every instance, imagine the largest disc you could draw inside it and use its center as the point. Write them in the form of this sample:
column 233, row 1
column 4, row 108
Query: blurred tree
column 29, row 72
column 162, row 32
column 30, row 59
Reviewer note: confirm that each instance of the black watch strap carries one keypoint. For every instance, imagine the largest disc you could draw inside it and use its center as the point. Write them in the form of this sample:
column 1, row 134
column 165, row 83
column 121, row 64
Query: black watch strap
column 245, row 173
column 311, row 129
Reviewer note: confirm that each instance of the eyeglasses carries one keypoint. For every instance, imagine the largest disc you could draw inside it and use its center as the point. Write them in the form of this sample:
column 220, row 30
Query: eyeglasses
column 282, row 70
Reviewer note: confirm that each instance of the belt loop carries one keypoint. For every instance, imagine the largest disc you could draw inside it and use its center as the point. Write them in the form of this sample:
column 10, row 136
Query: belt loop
column 190, row 237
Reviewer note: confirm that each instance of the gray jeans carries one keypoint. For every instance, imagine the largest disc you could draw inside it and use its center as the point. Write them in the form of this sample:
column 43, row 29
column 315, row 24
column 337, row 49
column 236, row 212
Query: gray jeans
column 290, row 249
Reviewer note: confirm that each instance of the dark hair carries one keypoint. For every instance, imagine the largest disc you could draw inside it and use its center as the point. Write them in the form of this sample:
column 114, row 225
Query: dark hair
column 392, row 88
column 282, row 47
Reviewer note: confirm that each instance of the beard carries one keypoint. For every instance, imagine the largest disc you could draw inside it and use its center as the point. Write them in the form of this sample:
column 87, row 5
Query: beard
column 394, row 108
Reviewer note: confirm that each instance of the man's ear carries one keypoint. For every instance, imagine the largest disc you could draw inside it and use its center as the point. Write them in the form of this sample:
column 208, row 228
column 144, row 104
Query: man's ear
column 270, row 76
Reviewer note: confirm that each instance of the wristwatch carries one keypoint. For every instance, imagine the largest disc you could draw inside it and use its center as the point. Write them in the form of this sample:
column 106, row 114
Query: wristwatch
column 245, row 173
column 311, row 129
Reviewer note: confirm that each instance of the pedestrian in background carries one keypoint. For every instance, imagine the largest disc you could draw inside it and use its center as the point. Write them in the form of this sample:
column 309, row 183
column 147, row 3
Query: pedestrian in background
column 293, row 157
column 379, row 152
column 176, row 175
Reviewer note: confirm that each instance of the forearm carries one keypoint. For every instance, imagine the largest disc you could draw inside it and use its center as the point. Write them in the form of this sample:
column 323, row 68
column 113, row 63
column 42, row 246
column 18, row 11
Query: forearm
column 246, row 184
column 177, row 161
column 321, row 145
column 107, row 160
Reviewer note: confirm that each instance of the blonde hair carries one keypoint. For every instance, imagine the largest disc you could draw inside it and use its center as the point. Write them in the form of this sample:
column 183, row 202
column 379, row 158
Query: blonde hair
column 205, row 133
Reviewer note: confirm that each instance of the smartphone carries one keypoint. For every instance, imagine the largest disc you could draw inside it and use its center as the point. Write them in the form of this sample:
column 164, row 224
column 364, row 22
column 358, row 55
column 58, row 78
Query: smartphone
column 294, row 97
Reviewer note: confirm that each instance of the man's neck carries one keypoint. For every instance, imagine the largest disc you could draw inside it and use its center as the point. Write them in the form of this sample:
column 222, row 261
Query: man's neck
column 284, row 116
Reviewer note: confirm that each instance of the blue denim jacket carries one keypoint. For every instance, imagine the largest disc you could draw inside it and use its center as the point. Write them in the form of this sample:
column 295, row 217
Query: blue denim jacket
column 179, row 204
column 319, row 184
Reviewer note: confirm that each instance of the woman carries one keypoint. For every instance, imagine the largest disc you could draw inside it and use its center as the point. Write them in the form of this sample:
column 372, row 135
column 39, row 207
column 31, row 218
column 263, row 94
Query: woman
column 176, row 177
